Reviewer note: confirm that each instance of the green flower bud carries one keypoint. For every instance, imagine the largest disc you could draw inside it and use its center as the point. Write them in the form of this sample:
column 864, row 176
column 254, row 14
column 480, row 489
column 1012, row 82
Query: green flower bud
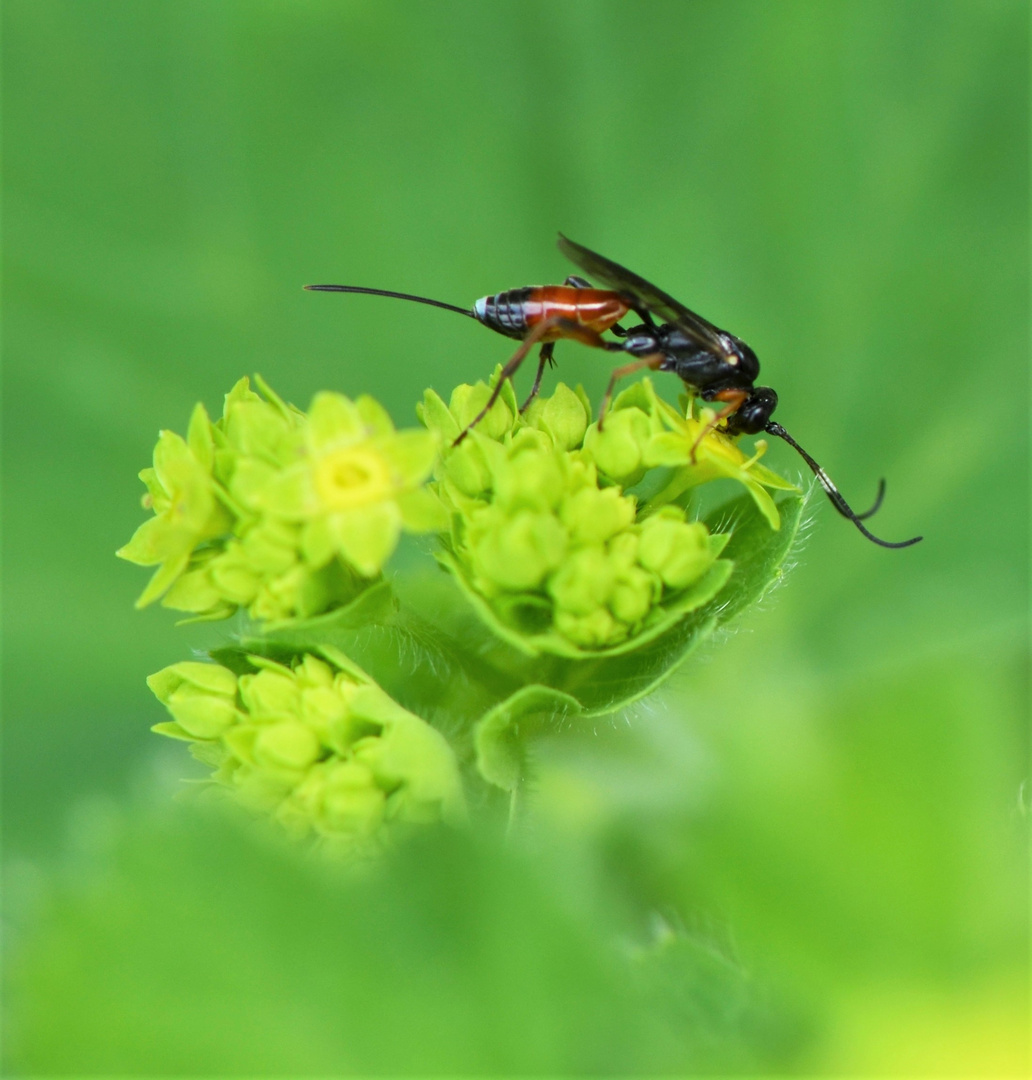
column 270, row 548
column 634, row 592
column 232, row 576
column 345, row 797
column 301, row 592
column 516, row 553
column 467, row 469
column 289, row 743
column 593, row 631
column 593, row 516
column 584, row 581
column 194, row 591
column 618, row 449
column 200, row 697
column 532, row 478
column 271, row 694
column 257, row 429
column 435, row 415
column 678, row 552
column 246, row 479
column 199, row 713
column 623, row 548
column 565, row 416
column 466, row 403
column 207, row 677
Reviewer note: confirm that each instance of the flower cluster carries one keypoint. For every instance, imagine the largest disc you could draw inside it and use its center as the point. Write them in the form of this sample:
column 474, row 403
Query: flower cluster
column 643, row 433
column 545, row 536
column 317, row 745
column 277, row 511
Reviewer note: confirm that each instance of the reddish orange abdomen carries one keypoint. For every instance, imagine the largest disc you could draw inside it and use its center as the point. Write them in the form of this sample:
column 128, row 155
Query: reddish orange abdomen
column 595, row 309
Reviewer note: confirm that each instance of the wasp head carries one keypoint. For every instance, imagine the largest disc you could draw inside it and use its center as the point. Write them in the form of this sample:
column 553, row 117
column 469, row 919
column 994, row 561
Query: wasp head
column 752, row 416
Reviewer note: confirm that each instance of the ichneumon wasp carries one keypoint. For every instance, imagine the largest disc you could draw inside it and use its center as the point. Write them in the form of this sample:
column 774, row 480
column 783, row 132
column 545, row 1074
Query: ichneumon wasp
column 713, row 364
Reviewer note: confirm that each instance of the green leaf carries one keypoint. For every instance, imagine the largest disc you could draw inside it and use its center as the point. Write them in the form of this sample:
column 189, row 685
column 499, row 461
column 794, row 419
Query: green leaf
column 759, row 554
column 375, row 604
column 662, row 618
column 408, row 656
column 503, row 733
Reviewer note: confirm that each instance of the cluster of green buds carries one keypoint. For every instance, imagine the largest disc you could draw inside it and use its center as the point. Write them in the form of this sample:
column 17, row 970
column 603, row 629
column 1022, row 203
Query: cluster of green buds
column 566, row 536
column 573, row 538
column 318, row 745
column 284, row 513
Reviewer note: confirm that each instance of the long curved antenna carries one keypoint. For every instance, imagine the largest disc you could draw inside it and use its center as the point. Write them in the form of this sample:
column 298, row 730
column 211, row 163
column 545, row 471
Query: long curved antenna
column 877, row 503
column 395, row 295
column 833, row 493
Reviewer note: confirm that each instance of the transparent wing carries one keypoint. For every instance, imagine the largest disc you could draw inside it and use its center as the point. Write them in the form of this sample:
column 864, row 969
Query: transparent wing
column 643, row 293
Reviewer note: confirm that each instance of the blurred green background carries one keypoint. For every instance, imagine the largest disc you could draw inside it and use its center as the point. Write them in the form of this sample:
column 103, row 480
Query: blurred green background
column 842, row 789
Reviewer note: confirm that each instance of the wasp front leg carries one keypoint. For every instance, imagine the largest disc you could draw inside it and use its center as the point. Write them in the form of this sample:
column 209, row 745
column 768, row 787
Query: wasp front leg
column 654, row 361
column 735, row 399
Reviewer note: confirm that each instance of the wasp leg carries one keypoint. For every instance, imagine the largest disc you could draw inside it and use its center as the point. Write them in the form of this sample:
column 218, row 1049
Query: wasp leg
column 735, row 399
column 578, row 282
column 544, row 357
column 653, row 362
column 569, row 330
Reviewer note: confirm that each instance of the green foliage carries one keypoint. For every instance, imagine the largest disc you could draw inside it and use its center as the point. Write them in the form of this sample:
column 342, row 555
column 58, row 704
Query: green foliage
column 841, row 789
column 456, row 958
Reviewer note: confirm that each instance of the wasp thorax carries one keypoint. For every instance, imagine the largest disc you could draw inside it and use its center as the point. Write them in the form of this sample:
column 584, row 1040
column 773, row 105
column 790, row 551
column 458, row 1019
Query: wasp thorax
column 742, row 357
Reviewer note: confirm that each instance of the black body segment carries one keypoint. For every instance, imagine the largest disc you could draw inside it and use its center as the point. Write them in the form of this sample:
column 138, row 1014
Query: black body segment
column 505, row 312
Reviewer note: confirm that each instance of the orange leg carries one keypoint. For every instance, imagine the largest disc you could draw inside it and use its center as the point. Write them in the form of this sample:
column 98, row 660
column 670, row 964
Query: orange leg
column 653, row 362
column 735, row 399
column 569, row 330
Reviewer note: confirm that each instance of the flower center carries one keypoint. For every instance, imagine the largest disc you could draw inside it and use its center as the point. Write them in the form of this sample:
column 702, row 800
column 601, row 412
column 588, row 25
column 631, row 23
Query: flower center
column 352, row 477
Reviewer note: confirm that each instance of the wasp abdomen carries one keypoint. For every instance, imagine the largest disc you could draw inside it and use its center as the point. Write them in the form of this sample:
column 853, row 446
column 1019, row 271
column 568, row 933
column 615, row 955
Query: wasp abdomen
column 517, row 311
column 505, row 312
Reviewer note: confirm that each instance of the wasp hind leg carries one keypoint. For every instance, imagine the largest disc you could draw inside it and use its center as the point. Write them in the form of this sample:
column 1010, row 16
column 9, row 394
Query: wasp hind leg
column 544, row 357
column 567, row 328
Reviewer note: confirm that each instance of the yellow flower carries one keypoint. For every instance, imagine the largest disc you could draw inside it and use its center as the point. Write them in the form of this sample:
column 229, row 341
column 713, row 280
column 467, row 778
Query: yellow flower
column 673, row 439
column 357, row 484
column 184, row 498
